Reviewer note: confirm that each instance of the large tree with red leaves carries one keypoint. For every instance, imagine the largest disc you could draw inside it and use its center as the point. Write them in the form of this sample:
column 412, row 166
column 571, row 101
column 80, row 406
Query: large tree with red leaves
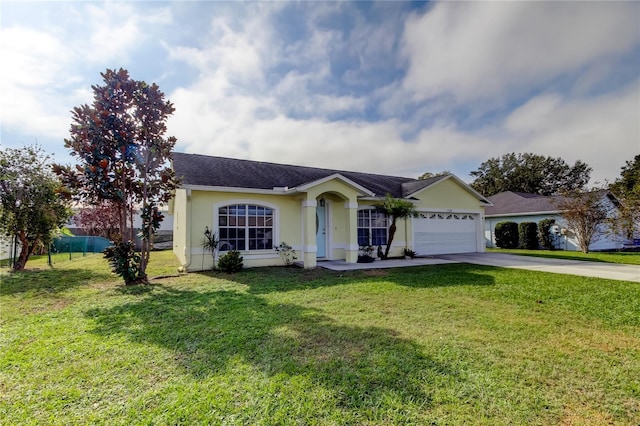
column 123, row 158
column 100, row 219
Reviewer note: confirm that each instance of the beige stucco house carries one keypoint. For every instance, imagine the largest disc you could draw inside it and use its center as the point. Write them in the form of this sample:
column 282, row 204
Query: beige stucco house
column 323, row 214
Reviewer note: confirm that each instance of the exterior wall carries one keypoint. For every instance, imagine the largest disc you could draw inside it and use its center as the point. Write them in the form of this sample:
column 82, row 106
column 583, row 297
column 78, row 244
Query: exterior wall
column 448, row 196
column 204, row 211
column 179, row 210
column 295, row 220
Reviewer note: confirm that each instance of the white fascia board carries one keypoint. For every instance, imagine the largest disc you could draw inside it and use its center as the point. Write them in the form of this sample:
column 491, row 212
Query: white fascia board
column 412, row 200
column 448, row 211
column 523, row 214
column 339, row 177
column 275, row 191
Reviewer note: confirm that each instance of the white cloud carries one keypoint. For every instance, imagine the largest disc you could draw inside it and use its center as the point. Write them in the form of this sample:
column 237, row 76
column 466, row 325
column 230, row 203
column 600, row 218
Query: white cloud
column 33, row 63
column 116, row 29
column 478, row 50
column 290, row 121
column 42, row 68
column 602, row 131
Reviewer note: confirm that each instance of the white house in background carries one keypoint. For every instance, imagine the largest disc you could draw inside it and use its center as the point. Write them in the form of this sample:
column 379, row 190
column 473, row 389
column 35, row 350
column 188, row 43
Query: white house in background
column 523, row 207
column 5, row 247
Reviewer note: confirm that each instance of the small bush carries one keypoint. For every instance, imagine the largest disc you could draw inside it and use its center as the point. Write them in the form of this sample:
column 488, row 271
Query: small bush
column 124, row 261
column 286, row 253
column 365, row 254
column 544, row 233
column 408, row 252
column 528, row 232
column 231, row 262
column 507, row 235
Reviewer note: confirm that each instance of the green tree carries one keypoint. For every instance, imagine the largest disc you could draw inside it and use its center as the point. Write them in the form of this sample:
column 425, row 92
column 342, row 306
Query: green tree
column 627, row 189
column 530, row 173
column 119, row 141
column 32, row 200
column 428, row 175
column 395, row 208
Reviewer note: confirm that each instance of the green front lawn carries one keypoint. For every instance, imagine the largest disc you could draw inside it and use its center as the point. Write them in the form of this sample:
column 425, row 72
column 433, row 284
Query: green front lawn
column 449, row 344
column 629, row 258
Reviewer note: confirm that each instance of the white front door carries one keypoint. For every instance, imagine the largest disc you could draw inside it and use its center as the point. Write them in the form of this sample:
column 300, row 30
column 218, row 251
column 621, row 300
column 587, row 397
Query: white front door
column 321, row 231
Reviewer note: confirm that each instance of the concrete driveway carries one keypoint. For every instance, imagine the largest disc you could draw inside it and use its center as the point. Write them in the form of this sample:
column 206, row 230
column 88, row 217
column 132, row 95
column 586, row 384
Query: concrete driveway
column 611, row 271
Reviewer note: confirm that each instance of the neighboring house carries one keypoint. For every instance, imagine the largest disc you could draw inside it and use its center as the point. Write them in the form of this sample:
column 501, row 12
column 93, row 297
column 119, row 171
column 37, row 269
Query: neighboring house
column 323, row 214
column 6, row 247
column 523, row 207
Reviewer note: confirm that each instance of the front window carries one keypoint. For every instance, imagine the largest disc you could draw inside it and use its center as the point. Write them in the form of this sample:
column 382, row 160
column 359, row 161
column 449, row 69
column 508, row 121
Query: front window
column 372, row 228
column 245, row 227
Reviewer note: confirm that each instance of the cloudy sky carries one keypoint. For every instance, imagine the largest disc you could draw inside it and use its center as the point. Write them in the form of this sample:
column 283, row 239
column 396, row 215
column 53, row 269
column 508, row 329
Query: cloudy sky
column 391, row 87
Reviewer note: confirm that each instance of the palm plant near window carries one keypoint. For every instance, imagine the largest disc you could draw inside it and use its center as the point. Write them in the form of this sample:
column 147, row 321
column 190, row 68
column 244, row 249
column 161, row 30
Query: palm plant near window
column 395, row 208
column 210, row 243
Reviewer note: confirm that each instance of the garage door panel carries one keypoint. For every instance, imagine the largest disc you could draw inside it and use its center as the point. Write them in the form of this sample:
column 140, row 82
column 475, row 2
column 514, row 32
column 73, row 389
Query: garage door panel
column 445, row 233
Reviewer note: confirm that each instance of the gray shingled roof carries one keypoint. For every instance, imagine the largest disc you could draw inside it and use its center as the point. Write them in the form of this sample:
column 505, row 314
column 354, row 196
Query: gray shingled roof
column 509, row 202
column 195, row 169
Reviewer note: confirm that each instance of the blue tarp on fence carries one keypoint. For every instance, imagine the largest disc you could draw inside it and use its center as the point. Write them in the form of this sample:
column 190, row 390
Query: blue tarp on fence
column 80, row 245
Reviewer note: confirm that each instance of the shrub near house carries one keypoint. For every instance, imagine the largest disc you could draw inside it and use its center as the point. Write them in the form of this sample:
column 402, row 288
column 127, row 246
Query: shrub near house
column 507, row 235
column 544, row 233
column 528, row 235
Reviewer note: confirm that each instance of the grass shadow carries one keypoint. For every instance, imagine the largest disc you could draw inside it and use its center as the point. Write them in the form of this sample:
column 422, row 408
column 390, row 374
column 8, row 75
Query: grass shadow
column 280, row 279
column 446, row 275
column 137, row 290
column 50, row 281
column 362, row 366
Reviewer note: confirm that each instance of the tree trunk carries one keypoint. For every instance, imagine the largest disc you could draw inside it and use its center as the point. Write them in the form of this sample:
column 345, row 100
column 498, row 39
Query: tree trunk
column 146, row 232
column 122, row 219
column 392, row 233
column 25, row 252
column 132, row 235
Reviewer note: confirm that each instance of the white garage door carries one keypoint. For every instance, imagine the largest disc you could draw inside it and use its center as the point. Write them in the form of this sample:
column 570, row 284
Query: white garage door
column 445, row 233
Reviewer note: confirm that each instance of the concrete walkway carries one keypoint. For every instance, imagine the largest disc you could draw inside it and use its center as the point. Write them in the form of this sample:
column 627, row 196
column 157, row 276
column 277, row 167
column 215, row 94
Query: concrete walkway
column 613, row 271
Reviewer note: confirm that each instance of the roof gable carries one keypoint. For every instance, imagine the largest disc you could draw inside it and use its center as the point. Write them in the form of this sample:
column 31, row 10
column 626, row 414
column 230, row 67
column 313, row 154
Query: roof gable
column 337, row 176
column 414, row 188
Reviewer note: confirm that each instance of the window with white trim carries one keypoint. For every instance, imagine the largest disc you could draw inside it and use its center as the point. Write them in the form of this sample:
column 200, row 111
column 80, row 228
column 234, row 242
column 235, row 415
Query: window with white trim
column 372, row 228
column 245, row 227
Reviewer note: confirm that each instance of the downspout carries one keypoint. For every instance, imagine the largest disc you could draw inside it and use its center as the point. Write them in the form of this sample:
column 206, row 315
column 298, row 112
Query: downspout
column 187, row 243
column 406, row 234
